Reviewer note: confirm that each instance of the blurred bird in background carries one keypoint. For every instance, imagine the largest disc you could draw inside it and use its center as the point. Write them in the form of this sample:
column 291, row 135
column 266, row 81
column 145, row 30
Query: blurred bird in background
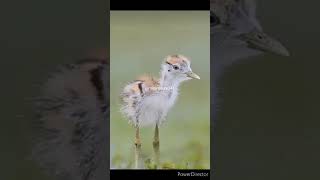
column 236, row 34
column 71, row 132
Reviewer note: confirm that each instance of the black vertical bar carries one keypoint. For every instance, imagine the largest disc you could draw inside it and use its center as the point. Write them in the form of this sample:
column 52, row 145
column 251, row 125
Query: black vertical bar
column 160, row 5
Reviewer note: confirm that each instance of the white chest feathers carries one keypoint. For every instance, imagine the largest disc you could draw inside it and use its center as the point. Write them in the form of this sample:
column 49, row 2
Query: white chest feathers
column 154, row 108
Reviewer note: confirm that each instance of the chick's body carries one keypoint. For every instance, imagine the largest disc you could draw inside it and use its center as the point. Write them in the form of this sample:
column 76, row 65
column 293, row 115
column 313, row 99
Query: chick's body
column 145, row 102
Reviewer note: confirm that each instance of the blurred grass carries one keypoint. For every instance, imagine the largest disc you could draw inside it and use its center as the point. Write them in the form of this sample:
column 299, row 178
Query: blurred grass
column 139, row 42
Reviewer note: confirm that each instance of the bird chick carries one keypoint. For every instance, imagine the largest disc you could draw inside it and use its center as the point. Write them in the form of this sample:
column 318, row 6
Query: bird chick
column 146, row 101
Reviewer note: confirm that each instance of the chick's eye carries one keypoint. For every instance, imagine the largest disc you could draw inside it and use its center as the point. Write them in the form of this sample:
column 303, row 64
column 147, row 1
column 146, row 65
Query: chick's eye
column 175, row 67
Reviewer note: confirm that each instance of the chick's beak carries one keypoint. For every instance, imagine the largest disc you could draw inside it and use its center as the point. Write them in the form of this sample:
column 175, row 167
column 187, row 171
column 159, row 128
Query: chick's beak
column 192, row 75
column 261, row 41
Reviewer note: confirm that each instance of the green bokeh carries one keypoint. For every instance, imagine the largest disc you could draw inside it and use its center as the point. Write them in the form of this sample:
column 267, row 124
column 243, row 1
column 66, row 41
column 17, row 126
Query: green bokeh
column 139, row 43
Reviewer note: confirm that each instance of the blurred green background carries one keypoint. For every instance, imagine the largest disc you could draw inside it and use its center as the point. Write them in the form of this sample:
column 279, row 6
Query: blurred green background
column 140, row 40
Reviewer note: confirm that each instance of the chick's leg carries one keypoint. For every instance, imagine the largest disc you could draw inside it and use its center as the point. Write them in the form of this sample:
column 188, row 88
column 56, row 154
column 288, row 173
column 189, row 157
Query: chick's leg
column 156, row 145
column 137, row 144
